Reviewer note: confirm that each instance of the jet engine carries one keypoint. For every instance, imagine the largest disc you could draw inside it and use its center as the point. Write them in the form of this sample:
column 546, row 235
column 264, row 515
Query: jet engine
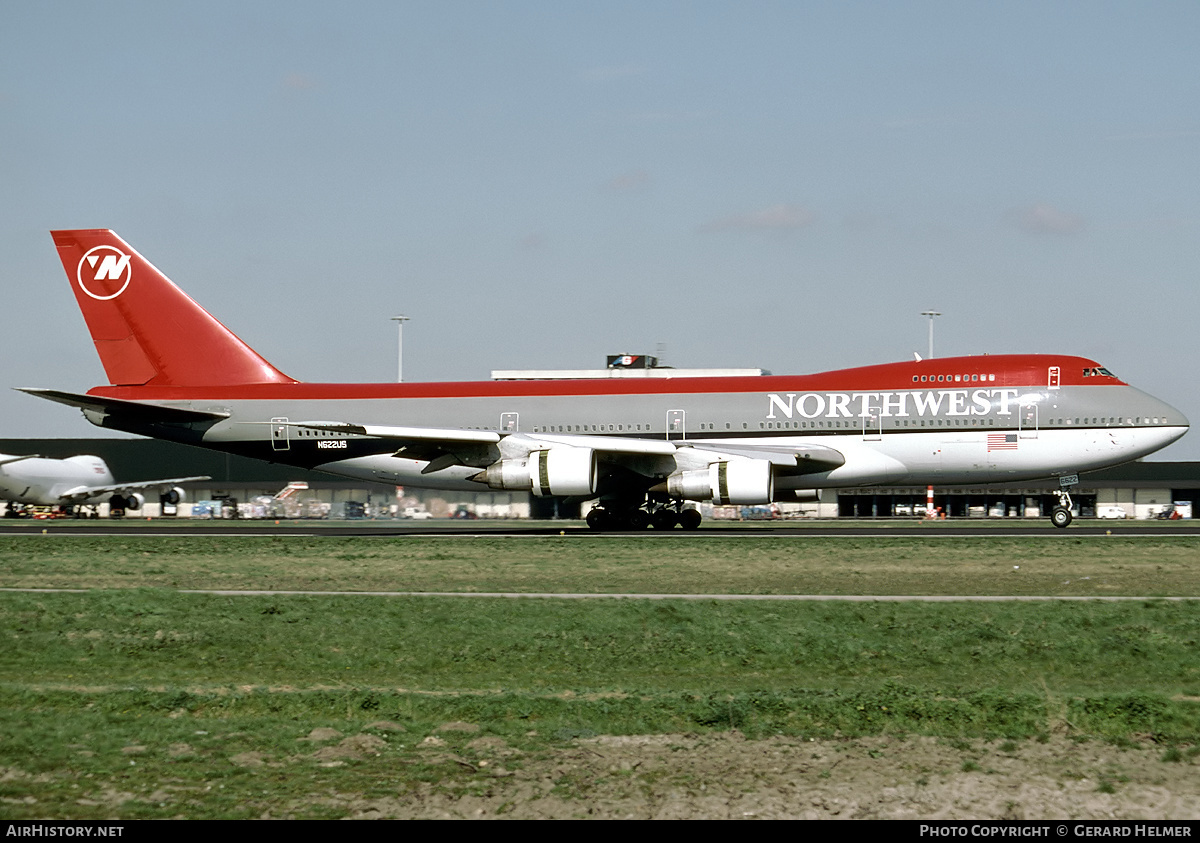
column 120, row 503
column 732, row 481
column 555, row 471
column 172, row 496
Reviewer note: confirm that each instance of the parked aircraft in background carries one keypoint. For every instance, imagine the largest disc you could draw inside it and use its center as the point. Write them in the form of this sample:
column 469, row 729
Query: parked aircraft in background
column 643, row 447
column 33, row 480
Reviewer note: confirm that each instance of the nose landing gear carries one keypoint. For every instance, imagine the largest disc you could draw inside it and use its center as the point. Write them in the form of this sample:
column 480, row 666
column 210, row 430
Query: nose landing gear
column 1061, row 516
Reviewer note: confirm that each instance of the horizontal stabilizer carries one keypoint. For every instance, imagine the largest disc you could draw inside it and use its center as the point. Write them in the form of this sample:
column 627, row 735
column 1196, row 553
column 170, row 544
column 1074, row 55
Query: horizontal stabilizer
column 127, row 409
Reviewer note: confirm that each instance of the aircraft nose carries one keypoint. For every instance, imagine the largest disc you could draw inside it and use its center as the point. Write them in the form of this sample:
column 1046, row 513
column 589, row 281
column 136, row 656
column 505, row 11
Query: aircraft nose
column 1175, row 423
column 1157, row 423
column 1173, row 417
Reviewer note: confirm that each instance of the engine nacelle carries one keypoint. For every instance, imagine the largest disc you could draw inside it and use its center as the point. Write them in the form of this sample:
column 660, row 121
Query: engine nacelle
column 172, row 496
column 733, row 481
column 119, row 503
column 563, row 471
column 512, row 475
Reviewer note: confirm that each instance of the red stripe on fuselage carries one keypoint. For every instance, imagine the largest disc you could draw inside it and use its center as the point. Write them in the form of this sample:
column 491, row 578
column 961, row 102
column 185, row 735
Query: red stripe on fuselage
column 1011, row 370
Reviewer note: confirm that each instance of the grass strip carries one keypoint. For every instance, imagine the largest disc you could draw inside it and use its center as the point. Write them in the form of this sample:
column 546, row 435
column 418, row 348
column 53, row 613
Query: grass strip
column 751, row 564
column 157, row 638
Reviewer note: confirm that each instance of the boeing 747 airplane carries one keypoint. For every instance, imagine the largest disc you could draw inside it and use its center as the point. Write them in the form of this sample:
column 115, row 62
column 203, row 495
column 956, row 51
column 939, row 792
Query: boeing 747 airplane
column 642, row 447
column 33, row 480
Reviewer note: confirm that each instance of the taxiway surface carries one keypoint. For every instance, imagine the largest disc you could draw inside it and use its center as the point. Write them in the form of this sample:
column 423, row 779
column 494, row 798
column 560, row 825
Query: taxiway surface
column 783, row 529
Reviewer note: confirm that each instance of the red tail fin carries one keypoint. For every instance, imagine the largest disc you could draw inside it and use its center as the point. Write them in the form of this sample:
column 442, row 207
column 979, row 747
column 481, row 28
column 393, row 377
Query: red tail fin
column 147, row 330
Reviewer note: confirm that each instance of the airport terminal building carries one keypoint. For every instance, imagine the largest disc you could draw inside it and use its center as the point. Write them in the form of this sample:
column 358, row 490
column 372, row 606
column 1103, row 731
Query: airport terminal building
column 239, row 484
column 1138, row 489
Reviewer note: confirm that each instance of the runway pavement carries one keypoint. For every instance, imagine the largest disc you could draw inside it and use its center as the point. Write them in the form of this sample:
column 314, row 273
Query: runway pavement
column 710, row 529
column 554, row 595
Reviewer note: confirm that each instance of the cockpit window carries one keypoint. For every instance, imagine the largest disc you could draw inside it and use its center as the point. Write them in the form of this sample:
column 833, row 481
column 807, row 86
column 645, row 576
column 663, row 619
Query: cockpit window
column 1096, row 371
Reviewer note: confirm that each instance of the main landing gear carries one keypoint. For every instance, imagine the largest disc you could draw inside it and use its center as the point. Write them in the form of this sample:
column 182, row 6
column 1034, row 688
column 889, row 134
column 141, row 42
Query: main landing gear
column 658, row 515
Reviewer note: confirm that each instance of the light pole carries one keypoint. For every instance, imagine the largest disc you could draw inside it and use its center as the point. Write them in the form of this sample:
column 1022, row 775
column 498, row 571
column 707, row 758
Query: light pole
column 400, row 320
column 931, row 314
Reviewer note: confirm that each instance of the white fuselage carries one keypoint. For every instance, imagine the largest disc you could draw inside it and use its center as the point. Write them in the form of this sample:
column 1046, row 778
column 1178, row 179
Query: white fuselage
column 48, row 482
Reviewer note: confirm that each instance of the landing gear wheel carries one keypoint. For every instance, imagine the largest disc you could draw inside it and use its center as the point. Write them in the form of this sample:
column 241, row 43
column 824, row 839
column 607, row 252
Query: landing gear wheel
column 664, row 519
column 598, row 520
column 690, row 519
column 1060, row 517
column 639, row 519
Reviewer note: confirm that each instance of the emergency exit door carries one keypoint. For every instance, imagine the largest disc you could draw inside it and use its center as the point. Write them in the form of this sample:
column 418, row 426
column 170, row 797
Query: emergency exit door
column 279, row 435
column 675, row 425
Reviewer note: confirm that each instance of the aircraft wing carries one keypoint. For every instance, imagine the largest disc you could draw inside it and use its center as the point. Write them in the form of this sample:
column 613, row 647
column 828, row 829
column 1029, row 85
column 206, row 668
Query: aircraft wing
column 440, row 447
column 609, row 444
column 444, row 447
column 413, row 439
column 83, row 493
column 807, row 459
column 403, row 434
column 786, row 460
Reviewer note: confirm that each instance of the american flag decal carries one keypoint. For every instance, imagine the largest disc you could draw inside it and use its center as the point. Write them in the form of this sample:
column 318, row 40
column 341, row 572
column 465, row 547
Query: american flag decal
column 1002, row 442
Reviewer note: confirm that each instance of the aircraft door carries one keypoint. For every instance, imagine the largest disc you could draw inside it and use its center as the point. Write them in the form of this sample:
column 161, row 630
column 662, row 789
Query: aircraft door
column 508, row 422
column 675, row 425
column 872, row 422
column 1027, row 421
column 280, row 441
column 1054, row 377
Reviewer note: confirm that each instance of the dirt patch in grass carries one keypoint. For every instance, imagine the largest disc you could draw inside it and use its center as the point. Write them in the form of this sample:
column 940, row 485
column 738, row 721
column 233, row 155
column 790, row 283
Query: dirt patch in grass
column 725, row 776
column 718, row 775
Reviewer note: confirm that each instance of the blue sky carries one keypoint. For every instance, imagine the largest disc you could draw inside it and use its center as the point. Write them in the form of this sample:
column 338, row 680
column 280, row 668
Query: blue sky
column 784, row 185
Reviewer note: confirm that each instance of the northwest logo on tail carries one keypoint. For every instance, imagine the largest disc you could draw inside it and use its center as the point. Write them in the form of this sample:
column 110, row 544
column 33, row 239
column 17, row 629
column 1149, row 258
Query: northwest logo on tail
column 104, row 272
